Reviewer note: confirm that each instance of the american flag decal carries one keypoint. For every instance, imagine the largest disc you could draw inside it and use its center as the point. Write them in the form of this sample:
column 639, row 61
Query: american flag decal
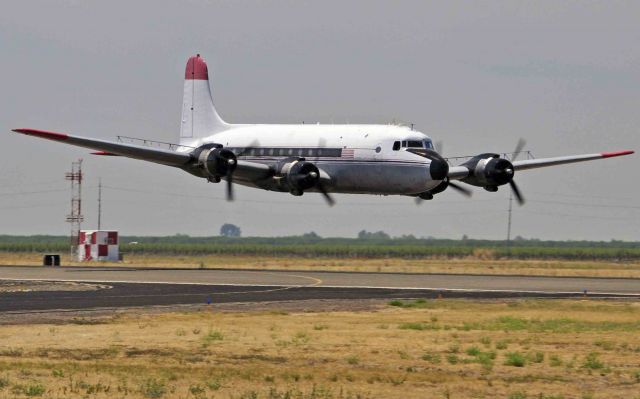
column 347, row 153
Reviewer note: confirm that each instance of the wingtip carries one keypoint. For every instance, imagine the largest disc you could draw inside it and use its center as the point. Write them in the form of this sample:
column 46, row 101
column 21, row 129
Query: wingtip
column 42, row 133
column 617, row 153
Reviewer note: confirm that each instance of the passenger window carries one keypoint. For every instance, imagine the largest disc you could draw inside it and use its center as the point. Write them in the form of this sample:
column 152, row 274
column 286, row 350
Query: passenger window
column 396, row 145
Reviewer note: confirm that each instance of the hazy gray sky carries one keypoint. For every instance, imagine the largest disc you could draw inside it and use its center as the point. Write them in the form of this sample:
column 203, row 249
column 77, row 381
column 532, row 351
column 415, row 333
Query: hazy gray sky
column 476, row 75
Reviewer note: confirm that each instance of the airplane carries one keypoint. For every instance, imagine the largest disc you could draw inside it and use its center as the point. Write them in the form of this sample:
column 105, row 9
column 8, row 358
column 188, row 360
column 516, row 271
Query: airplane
column 299, row 158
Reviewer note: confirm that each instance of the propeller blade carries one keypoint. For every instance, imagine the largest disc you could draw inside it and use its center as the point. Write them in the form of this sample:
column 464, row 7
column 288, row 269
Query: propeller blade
column 325, row 194
column 462, row 190
column 229, row 186
column 516, row 192
column 418, row 200
column 518, row 149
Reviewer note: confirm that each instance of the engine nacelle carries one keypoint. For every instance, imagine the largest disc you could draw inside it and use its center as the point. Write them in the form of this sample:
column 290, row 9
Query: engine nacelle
column 488, row 171
column 217, row 162
column 300, row 175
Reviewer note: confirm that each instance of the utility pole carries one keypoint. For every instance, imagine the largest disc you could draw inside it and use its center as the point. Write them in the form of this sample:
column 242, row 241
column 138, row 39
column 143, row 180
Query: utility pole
column 99, row 202
column 509, row 222
column 75, row 218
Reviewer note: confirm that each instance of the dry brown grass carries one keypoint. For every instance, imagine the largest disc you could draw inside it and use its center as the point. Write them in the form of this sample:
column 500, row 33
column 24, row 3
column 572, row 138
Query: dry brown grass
column 430, row 349
column 475, row 265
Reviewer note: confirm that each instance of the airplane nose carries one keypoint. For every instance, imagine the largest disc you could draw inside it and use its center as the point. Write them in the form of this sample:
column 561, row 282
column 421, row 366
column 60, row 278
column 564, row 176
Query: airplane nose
column 438, row 169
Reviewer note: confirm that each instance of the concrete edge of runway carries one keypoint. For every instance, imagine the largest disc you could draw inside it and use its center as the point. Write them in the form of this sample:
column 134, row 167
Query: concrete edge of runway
column 145, row 268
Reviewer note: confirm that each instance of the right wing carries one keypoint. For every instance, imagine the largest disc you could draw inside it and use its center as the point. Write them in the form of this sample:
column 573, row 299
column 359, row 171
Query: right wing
column 249, row 171
column 157, row 155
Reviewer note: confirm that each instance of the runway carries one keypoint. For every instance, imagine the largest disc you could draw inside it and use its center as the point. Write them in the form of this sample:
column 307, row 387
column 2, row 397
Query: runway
column 127, row 287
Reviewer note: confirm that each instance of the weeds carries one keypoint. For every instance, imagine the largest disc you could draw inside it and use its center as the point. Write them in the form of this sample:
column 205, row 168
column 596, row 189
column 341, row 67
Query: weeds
column 555, row 361
column 213, row 336
column 153, row 388
column 515, row 359
column 32, row 389
column 418, row 303
column 353, row 360
column 592, row 362
column 320, row 327
column 502, row 344
column 418, row 326
column 433, row 358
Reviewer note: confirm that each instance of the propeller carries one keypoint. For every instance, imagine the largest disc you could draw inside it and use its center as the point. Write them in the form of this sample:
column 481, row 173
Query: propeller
column 321, row 188
column 461, row 189
column 514, row 187
column 232, row 163
column 439, row 147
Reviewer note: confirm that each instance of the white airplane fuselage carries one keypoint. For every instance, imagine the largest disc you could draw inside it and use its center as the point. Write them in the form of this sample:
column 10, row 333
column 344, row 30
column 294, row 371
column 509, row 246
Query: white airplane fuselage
column 360, row 159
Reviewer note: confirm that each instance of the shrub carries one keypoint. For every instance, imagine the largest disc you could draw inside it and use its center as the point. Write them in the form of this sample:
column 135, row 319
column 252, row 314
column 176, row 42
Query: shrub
column 196, row 390
column 502, row 344
column 213, row 336
column 33, row 389
column 515, row 359
column 452, row 358
column 433, row 358
column 214, row 384
column 536, row 357
column 555, row 361
column 592, row 362
column 153, row 388
column 473, row 351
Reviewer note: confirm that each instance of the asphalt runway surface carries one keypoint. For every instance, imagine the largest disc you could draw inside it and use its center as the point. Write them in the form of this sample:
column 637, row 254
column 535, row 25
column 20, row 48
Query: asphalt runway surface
column 129, row 287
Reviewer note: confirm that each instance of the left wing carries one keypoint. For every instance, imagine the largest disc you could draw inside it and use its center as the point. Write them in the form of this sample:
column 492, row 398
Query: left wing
column 460, row 172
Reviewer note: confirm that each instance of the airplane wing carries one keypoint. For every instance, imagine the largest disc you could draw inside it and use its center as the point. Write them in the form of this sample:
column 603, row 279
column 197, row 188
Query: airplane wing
column 250, row 171
column 157, row 155
column 544, row 162
column 460, row 172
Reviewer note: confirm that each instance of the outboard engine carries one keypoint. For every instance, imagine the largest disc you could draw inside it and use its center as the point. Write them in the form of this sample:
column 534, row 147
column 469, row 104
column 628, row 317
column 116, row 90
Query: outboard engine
column 217, row 162
column 489, row 171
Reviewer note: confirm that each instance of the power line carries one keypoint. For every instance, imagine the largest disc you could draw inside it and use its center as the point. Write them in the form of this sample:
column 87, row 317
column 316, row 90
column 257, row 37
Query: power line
column 585, row 204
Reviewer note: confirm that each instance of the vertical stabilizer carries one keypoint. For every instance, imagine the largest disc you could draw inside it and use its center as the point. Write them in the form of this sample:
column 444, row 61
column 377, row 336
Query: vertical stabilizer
column 199, row 116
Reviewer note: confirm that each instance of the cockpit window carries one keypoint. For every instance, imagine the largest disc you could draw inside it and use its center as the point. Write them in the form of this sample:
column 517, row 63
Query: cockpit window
column 427, row 143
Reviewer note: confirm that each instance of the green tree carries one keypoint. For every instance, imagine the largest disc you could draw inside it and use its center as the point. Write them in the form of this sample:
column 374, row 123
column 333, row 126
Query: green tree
column 230, row 230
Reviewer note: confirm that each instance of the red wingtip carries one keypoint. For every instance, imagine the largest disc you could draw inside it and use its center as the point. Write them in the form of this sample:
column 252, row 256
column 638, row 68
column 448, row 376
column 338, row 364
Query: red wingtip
column 616, row 153
column 42, row 133
column 196, row 69
column 105, row 153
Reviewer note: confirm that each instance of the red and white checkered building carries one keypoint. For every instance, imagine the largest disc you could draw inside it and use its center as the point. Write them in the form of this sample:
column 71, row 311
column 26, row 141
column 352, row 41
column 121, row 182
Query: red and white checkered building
column 98, row 245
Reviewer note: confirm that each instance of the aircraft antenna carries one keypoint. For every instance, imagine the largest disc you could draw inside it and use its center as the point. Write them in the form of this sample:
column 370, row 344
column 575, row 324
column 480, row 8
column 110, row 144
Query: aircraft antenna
column 75, row 218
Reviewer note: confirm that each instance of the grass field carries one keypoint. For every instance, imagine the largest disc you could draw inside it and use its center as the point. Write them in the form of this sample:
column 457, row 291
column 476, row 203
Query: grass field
column 475, row 265
column 402, row 349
